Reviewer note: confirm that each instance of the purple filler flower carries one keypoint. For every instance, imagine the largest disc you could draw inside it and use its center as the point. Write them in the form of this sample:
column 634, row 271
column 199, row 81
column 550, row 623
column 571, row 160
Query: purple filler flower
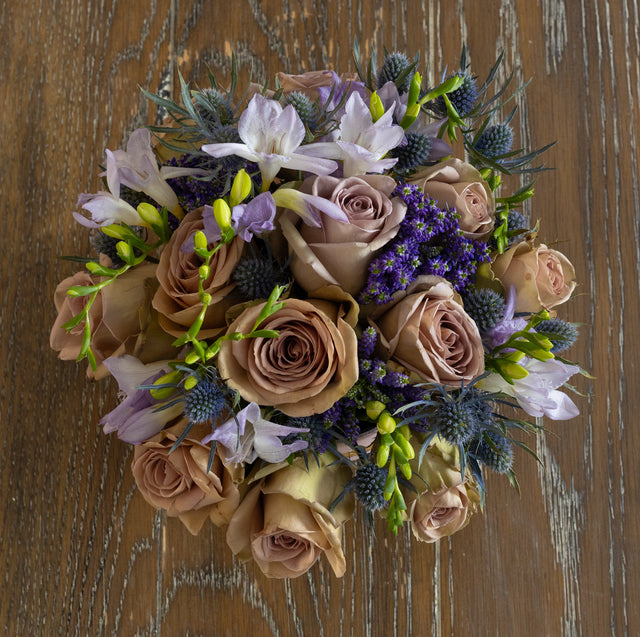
column 249, row 436
column 139, row 416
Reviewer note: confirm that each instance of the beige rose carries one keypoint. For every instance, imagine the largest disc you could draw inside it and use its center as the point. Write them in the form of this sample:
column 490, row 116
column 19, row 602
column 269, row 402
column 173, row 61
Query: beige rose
column 122, row 320
column 542, row 277
column 429, row 333
column 178, row 481
column 456, row 184
column 310, row 365
column 177, row 299
column 284, row 522
column 308, row 83
column 446, row 503
column 339, row 253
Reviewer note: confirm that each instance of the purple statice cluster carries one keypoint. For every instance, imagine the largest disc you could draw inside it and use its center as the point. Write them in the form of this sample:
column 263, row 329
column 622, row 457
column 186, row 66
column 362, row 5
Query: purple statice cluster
column 376, row 382
column 429, row 242
column 193, row 192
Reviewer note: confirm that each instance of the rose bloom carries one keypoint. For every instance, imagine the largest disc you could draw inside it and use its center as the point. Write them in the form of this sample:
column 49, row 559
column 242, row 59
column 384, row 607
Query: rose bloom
column 121, row 317
column 178, row 481
column 446, row 504
column 429, row 333
column 177, row 299
column 303, row 371
column 284, row 522
column 339, row 253
column 456, row 184
column 309, row 82
column 542, row 277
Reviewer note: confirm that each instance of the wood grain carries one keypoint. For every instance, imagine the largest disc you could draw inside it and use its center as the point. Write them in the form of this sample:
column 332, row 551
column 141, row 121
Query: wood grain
column 81, row 552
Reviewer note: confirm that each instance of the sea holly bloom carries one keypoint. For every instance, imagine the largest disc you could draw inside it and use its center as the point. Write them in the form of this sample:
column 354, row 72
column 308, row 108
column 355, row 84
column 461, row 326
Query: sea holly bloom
column 360, row 142
column 271, row 137
column 248, row 436
column 139, row 416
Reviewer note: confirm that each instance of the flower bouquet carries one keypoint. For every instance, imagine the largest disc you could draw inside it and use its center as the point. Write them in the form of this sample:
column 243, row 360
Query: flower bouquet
column 314, row 297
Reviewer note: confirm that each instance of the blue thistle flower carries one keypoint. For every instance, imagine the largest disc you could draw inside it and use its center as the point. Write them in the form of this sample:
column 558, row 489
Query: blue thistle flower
column 305, row 108
column 256, row 276
column 369, row 486
column 394, row 64
column 214, row 106
column 495, row 140
column 454, row 421
column 205, row 402
column 493, row 450
column 484, row 306
column 561, row 333
column 463, row 99
column 413, row 154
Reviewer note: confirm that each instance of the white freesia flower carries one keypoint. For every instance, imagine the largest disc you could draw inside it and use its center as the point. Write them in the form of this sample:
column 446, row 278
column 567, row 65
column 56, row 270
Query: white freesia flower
column 360, row 142
column 272, row 136
column 538, row 392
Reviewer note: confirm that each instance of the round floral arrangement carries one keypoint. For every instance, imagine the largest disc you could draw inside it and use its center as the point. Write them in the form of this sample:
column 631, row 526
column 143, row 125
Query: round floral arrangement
column 309, row 302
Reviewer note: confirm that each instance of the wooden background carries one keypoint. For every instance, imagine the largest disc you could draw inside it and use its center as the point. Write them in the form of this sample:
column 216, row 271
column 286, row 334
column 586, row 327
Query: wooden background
column 82, row 554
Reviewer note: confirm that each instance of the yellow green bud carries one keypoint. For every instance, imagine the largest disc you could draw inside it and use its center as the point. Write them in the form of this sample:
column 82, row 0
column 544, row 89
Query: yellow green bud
column 165, row 392
column 222, row 213
column 204, row 271
column 414, row 89
column 398, row 456
column 382, row 456
column 405, row 446
column 206, row 298
column 115, row 231
column 406, row 470
column 386, row 423
column 374, row 409
column 149, row 214
column 191, row 358
column 190, row 382
column 200, row 240
column 125, row 252
column 376, row 107
column 389, row 486
column 240, row 188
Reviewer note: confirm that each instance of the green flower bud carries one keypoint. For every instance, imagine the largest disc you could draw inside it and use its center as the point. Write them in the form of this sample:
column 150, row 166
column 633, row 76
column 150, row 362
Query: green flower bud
column 382, row 456
column 204, row 271
column 376, row 107
column 150, row 215
column 200, row 240
column 240, row 188
column 386, row 423
column 190, row 382
column 374, row 409
column 222, row 214
column 125, row 252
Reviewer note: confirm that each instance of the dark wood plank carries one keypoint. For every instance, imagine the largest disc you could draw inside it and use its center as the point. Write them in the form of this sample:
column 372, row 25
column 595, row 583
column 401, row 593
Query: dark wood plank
column 83, row 554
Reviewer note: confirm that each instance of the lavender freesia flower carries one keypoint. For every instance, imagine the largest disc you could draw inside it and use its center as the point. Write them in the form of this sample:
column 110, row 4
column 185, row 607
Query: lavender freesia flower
column 271, row 137
column 255, row 217
column 105, row 207
column 249, row 436
column 330, row 96
column 137, row 418
column 538, row 392
column 361, row 143
column 508, row 325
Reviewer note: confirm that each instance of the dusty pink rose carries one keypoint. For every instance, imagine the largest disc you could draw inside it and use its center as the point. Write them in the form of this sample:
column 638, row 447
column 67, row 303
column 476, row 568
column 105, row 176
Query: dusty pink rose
column 284, row 522
column 444, row 502
column 308, row 83
column 542, row 277
column 303, row 371
column 178, row 481
column 429, row 333
column 121, row 317
column 339, row 253
column 456, row 184
column 177, row 299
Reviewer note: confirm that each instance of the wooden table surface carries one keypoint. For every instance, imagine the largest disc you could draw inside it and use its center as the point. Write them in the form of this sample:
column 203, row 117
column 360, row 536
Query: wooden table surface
column 81, row 552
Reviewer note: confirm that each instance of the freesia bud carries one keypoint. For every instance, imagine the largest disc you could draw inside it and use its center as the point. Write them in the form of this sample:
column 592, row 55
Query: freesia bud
column 149, row 214
column 376, row 107
column 200, row 240
column 222, row 214
column 240, row 188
